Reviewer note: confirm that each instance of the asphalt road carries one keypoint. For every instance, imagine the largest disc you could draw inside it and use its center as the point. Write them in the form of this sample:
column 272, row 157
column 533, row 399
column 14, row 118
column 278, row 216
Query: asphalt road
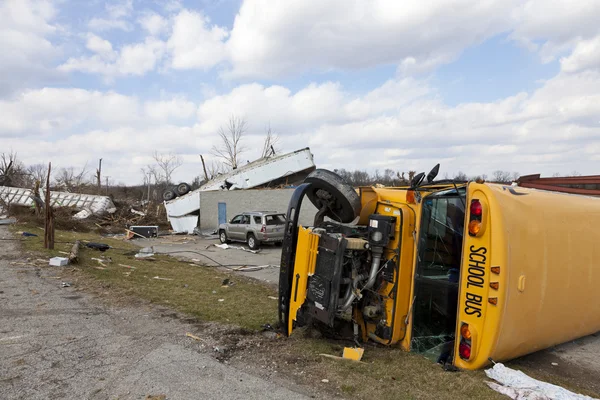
column 189, row 246
column 59, row 343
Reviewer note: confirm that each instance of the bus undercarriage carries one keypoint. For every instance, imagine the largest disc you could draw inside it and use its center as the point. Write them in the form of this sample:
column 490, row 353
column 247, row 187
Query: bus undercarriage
column 354, row 273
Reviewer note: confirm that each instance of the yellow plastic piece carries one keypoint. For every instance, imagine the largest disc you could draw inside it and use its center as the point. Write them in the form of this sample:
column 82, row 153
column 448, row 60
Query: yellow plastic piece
column 353, row 353
column 304, row 266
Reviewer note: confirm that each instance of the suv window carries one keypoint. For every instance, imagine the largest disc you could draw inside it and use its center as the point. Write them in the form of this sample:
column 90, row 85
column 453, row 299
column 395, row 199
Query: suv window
column 245, row 219
column 237, row 219
column 275, row 219
column 257, row 220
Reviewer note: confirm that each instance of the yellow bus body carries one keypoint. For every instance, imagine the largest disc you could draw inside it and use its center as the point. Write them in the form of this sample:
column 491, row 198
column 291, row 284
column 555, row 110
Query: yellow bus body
column 547, row 248
column 528, row 280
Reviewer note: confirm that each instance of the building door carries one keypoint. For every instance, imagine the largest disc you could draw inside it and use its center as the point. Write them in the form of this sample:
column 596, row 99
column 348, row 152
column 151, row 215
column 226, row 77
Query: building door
column 222, row 213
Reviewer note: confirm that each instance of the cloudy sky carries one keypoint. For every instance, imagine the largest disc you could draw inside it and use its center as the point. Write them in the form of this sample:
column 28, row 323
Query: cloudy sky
column 477, row 85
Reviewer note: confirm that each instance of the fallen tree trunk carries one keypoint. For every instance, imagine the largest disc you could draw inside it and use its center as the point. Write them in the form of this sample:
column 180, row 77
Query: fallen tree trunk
column 74, row 254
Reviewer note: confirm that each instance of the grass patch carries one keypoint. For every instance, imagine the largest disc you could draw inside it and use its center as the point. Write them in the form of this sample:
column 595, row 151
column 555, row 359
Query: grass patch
column 192, row 289
column 386, row 374
column 389, row 374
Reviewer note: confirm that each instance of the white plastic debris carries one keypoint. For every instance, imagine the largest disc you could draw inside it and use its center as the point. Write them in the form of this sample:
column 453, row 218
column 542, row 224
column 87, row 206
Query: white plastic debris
column 59, row 261
column 517, row 385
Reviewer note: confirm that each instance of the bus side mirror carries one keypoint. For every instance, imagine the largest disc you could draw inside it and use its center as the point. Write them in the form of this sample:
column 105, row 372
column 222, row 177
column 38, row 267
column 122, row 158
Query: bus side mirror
column 433, row 173
column 416, row 181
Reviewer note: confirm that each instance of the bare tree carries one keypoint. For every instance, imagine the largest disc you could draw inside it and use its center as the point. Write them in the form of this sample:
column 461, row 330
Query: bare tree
column 71, row 179
column 215, row 169
column 270, row 144
column 503, row 176
column 38, row 172
column 7, row 168
column 231, row 148
column 167, row 164
column 461, row 176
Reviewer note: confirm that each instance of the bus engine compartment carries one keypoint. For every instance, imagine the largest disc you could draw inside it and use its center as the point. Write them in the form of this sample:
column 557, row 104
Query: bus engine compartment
column 350, row 269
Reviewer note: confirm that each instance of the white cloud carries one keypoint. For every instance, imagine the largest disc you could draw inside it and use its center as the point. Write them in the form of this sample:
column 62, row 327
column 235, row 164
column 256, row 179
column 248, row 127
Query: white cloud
column 153, row 23
column 116, row 17
column 25, row 30
column 557, row 24
column 403, row 124
column 100, row 46
column 173, row 109
column 282, row 37
column 132, row 59
column 586, row 55
column 194, row 43
column 140, row 58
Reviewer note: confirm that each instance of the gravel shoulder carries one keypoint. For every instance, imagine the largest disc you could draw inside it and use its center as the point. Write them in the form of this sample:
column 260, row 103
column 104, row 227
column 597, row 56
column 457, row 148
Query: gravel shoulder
column 61, row 343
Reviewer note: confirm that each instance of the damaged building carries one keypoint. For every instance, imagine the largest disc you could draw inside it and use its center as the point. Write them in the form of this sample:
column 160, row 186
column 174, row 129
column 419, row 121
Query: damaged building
column 86, row 204
column 264, row 184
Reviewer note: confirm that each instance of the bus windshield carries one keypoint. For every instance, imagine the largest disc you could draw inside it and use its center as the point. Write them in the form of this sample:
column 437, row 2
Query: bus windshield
column 437, row 273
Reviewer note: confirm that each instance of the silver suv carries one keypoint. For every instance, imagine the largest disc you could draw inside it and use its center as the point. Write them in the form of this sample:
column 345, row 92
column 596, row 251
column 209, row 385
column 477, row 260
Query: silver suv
column 254, row 228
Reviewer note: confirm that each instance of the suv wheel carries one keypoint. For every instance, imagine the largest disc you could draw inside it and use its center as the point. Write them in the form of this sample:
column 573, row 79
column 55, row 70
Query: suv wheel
column 253, row 243
column 223, row 236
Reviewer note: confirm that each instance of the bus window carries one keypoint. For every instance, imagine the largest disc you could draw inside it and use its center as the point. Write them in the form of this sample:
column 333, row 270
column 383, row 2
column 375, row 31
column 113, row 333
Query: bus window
column 437, row 274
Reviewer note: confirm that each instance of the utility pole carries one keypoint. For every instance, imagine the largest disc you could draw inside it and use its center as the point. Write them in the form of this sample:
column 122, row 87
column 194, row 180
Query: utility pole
column 107, row 184
column 204, row 167
column 98, row 176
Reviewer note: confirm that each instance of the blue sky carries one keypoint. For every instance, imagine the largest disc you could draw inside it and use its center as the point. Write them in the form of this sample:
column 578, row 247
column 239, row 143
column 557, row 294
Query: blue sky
column 479, row 86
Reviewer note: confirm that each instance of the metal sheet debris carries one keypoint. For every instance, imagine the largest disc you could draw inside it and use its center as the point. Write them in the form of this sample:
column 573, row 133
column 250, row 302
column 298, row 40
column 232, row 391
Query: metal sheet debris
column 516, row 385
column 87, row 203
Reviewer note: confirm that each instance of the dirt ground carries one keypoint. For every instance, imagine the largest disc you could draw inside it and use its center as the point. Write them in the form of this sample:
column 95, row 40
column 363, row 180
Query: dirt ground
column 62, row 343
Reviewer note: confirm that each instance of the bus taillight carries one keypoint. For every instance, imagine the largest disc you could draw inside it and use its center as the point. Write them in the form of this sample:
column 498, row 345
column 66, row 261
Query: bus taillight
column 475, row 217
column 465, row 332
column 465, row 351
column 464, row 348
column 476, row 208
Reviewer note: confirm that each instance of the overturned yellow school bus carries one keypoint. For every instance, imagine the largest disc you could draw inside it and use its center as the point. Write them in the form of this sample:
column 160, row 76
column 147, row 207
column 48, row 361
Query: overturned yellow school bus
column 462, row 272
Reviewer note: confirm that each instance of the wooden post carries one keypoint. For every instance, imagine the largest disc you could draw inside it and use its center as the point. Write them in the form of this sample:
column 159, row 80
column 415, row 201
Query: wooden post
column 49, row 220
column 204, row 167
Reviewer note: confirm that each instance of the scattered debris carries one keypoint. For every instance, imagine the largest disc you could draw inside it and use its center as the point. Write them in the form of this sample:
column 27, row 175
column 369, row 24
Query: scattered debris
column 188, row 334
column 325, row 380
column 126, row 266
column 353, row 353
column 27, row 234
column 156, row 397
column 517, row 385
column 98, row 246
column 162, row 279
column 74, row 254
column 221, row 300
column 66, row 284
column 8, row 221
column 100, row 261
column 100, row 268
column 555, row 364
column 227, row 282
column 59, row 261
column 272, row 297
column 86, row 203
column 226, row 246
column 144, row 231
